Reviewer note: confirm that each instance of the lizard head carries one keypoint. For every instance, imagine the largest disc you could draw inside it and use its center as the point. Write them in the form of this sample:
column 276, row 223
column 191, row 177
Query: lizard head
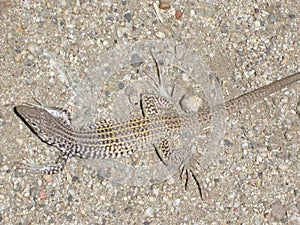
column 44, row 122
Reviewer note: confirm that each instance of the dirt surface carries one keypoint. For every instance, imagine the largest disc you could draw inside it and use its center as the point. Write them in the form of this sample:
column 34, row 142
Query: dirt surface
column 47, row 49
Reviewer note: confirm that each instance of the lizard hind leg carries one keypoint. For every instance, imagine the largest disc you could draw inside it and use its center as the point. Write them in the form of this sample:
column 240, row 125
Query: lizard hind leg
column 187, row 170
column 179, row 158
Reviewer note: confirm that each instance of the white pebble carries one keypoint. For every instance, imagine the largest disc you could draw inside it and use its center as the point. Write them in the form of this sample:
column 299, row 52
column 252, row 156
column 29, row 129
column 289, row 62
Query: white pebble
column 160, row 35
column 191, row 103
column 177, row 202
column 105, row 43
column 192, row 13
column 149, row 212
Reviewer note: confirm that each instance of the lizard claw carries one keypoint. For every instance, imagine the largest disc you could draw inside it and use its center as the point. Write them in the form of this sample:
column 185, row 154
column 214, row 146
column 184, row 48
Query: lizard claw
column 29, row 164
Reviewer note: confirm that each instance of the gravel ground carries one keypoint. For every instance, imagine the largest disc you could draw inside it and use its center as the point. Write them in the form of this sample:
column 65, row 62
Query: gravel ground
column 255, row 177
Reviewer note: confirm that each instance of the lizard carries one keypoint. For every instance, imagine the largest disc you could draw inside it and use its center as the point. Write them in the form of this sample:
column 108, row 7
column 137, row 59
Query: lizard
column 112, row 139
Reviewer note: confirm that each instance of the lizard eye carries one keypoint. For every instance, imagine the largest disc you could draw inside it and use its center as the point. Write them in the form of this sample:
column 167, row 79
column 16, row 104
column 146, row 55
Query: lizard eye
column 33, row 124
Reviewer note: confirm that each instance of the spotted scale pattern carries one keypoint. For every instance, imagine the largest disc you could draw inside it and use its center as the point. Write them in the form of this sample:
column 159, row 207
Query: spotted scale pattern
column 111, row 139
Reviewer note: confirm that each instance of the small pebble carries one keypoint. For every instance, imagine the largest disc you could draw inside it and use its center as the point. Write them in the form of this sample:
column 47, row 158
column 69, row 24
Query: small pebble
column 164, row 4
column 257, row 24
column 180, row 51
column 19, row 141
column 75, row 10
column 185, row 77
column 17, row 57
column 177, row 202
column 192, row 13
column 43, row 195
column 70, row 198
column 122, row 32
column 178, row 14
column 47, row 178
column 121, row 85
column 5, row 167
column 152, row 199
column 127, row 16
column 284, row 99
column 272, row 18
column 69, row 178
column 288, row 135
column 283, row 167
column 136, row 60
column 156, row 191
column 149, row 212
column 191, row 103
column 160, row 35
column 170, row 181
column 31, row 48
column 228, row 143
column 292, row 16
column 278, row 211
column 105, row 43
